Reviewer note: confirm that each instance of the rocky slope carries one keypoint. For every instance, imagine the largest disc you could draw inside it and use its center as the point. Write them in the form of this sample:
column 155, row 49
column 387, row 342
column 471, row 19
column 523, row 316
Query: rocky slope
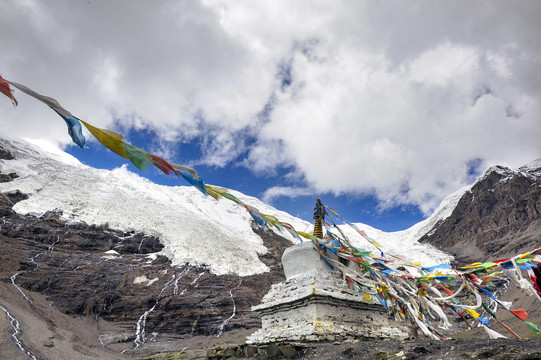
column 498, row 217
column 134, row 296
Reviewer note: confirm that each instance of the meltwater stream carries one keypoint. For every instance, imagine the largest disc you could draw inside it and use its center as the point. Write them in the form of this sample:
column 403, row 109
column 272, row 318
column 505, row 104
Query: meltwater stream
column 50, row 248
column 13, row 321
column 16, row 331
column 226, row 321
column 140, row 327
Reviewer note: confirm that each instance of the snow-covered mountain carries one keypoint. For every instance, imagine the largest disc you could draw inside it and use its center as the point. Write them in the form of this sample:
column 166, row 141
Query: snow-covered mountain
column 405, row 242
column 193, row 228
column 499, row 216
column 87, row 242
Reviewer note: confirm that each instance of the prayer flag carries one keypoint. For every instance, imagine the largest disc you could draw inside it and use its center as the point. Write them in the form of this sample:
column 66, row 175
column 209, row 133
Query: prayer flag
column 232, row 198
column 140, row 158
column 198, row 183
column 163, row 165
column 493, row 334
column 473, row 313
column 6, row 90
column 75, row 129
column 483, row 320
column 110, row 139
column 488, row 293
column 534, row 327
column 214, row 191
column 289, row 228
column 520, row 313
column 256, row 215
column 178, row 167
column 435, row 267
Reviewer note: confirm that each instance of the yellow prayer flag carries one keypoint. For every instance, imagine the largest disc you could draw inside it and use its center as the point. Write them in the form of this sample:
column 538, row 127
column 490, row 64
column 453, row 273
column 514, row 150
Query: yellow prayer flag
column 211, row 192
column 474, row 265
column 110, row 139
column 270, row 219
column 305, row 235
column 473, row 313
column 375, row 243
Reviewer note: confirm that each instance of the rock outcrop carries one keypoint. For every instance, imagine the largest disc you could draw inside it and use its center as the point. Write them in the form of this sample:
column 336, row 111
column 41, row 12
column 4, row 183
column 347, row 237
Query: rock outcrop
column 499, row 216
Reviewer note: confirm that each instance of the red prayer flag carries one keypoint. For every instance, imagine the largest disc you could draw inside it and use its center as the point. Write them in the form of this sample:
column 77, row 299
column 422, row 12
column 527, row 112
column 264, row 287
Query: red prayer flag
column 500, row 261
column 349, row 281
column 162, row 164
column 447, row 290
column 6, row 90
column 520, row 313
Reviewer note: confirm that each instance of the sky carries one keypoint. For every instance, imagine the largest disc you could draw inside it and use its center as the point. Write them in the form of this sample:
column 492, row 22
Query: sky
column 380, row 108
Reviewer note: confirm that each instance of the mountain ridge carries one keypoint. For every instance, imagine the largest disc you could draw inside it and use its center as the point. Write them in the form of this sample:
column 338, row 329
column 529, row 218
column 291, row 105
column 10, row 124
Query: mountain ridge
column 499, row 216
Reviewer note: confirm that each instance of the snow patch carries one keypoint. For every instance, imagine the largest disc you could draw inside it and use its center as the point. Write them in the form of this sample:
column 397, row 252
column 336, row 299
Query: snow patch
column 140, row 279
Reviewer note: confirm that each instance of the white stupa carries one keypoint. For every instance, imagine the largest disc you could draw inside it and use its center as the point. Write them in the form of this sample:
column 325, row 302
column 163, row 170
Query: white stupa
column 314, row 303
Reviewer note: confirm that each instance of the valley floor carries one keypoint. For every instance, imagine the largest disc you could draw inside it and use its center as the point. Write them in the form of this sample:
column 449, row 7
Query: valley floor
column 46, row 333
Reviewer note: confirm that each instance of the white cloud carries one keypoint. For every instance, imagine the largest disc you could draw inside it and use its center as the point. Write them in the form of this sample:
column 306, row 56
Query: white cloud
column 291, row 192
column 389, row 98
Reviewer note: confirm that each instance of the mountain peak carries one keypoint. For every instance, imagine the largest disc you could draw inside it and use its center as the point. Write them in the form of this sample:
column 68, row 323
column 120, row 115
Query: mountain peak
column 498, row 217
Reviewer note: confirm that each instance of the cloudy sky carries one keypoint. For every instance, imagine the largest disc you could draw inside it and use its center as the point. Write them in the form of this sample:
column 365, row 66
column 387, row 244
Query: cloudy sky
column 380, row 108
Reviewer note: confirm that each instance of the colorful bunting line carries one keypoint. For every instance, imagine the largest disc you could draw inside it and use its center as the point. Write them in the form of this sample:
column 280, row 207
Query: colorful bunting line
column 398, row 284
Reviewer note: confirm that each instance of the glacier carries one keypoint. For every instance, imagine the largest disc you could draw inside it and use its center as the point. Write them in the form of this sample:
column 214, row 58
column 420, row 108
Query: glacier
column 194, row 229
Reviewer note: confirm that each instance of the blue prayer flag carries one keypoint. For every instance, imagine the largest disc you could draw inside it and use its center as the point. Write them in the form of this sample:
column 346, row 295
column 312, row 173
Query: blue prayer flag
column 74, row 129
column 198, row 183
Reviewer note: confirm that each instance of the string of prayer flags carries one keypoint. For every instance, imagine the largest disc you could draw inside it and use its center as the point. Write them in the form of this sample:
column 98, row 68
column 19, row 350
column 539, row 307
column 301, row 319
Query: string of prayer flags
column 386, row 271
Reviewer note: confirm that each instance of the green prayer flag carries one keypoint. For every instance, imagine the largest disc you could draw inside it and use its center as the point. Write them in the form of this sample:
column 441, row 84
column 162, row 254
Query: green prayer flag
column 489, row 311
column 534, row 327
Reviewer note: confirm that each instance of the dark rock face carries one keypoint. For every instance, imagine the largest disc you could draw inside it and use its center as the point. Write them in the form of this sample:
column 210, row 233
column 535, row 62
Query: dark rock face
column 67, row 263
column 5, row 155
column 499, row 216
